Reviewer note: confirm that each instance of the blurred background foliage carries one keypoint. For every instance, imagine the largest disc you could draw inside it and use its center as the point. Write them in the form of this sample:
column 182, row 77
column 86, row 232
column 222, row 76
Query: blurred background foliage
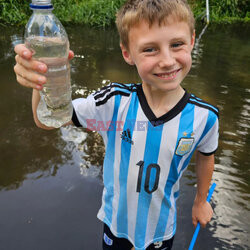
column 102, row 12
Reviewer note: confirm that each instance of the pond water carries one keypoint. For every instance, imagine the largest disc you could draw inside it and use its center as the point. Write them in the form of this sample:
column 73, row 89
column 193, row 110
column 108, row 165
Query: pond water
column 50, row 182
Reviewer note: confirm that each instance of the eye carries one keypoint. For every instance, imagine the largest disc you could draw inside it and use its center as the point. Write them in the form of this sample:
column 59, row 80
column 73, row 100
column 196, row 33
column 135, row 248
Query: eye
column 149, row 50
column 177, row 45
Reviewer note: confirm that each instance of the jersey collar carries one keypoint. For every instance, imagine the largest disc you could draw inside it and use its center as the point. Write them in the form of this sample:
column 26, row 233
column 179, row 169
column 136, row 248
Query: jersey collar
column 156, row 121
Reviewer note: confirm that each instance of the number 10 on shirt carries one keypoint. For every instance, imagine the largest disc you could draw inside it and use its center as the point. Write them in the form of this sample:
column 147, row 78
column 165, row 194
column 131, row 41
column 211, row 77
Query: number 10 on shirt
column 149, row 168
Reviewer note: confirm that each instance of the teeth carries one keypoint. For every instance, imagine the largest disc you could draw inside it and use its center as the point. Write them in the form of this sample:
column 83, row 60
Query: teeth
column 168, row 74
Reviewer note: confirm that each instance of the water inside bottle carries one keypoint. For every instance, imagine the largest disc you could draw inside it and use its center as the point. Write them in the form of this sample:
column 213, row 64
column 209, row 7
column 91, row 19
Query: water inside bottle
column 55, row 108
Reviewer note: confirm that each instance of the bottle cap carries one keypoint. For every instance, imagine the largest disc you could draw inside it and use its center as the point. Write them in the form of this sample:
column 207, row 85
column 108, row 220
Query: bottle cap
column 41, row 4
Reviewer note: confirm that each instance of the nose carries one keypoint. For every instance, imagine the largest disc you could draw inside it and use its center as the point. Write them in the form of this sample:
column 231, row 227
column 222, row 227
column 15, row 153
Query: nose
column 167, row 59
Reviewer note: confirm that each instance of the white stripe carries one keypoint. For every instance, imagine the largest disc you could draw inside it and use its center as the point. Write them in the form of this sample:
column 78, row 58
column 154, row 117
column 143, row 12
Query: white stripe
column 137, row 154
column 200, row 121
column 171, row 218
column 209, row 143
column 101, row 213
column 105, row 114
column 168, row 141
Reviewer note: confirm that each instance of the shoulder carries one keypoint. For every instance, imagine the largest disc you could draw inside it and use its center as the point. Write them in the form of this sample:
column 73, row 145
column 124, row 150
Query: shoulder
column 104, row 94
column 203, row 105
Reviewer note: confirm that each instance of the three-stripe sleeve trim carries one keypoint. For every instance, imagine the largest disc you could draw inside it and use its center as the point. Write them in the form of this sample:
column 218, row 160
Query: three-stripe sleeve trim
column 112, row 90
column 110, row 86
column 75, row 119
column 199, row 102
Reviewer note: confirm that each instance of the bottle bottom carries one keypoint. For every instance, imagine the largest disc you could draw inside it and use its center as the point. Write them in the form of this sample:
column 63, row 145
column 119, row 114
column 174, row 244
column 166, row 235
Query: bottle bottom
column 55, row 117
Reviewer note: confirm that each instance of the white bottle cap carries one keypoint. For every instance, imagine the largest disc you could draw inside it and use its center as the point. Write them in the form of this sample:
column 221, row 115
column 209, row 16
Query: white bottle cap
column 41, row 4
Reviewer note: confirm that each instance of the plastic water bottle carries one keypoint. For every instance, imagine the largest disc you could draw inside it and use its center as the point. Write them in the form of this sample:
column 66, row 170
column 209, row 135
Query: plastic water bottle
column 47, row 39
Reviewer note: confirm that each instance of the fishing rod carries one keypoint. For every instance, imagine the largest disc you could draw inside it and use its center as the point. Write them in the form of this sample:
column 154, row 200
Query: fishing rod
column 197, row 229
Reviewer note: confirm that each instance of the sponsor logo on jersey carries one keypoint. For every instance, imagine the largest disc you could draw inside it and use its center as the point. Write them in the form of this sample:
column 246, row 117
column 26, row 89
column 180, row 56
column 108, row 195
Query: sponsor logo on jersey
column 184, row 146
column 126, row 136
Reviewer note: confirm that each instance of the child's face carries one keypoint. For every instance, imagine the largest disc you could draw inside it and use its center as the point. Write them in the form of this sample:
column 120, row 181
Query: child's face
column 162, row 54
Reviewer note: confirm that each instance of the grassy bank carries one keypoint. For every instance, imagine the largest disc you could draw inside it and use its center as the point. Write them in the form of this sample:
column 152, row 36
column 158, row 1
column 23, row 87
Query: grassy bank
column 223, row 11
column 102, row 12
column 91, row 12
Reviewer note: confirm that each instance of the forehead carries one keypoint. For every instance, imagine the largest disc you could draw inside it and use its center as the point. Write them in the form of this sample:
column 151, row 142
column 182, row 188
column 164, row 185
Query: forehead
column 170, row 29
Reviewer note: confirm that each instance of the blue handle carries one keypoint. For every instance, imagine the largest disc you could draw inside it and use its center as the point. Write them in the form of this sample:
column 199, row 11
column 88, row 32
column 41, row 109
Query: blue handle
column 197, row 229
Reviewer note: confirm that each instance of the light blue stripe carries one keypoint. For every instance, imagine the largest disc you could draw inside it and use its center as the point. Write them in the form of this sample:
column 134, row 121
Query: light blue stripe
column 211, row 119
column 123, row 89
column 151, row 154
column 108, row 165
column 205, row 104
column 185, row 125
column 122, row 213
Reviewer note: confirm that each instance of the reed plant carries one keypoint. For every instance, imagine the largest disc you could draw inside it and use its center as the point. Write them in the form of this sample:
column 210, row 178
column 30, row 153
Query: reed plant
column 102, row 12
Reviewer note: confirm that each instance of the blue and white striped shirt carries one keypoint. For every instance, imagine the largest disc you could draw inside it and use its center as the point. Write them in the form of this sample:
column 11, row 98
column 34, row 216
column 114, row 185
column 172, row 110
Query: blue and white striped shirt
column 145, row 157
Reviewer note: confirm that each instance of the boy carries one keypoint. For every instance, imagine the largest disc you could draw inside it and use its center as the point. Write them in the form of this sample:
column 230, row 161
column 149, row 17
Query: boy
column 150, row 130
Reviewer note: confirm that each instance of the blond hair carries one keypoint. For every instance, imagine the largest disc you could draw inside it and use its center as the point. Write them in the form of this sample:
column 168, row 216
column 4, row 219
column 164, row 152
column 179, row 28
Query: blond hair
column 151, row 11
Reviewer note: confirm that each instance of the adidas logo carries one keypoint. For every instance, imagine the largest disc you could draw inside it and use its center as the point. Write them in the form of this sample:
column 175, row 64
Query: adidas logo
column 126, row 136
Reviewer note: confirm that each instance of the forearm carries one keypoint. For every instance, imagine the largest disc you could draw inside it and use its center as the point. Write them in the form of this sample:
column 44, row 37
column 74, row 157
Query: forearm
column 202, row 211
column 204, row 172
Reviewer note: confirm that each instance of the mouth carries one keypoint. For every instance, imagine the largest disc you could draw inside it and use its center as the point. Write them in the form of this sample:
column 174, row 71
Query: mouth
column 168, row 75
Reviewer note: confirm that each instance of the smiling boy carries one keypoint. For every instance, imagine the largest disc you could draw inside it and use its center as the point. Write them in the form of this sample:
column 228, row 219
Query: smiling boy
column 142, row 167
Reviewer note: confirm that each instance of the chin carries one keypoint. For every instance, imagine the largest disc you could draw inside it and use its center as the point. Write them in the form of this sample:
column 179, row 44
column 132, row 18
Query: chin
column 169, row 86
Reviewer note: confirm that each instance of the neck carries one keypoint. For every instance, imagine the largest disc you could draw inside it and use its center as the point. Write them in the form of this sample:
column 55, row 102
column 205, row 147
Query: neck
column 160, row 101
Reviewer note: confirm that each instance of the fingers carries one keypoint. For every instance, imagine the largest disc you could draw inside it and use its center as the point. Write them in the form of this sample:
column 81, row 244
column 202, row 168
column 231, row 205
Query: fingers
column 203, row 221
column 194, row 221
column 31, row 64
column 21, row 50
column 27, row 70
column 29, row 78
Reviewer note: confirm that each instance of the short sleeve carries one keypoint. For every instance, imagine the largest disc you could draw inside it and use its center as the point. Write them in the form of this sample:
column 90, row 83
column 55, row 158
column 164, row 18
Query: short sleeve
column 209, row 140
column 96, row 111
column 84, row 109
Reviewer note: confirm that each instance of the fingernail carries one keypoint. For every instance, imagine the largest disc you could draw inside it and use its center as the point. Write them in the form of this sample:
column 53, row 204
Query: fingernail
column 25, row 53
column 40, row 79
column 41, row 67
column 39, row 87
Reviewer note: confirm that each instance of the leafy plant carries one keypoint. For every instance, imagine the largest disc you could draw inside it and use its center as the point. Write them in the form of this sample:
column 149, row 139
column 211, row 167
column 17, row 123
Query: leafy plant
column 102, row 12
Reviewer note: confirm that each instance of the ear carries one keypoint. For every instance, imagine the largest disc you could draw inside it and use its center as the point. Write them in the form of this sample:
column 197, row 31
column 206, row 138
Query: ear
column 126, row 55
column 193, row 40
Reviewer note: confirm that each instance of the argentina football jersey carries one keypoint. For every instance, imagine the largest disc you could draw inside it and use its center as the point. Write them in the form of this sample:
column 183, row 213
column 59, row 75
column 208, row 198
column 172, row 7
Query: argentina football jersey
column 145, row 157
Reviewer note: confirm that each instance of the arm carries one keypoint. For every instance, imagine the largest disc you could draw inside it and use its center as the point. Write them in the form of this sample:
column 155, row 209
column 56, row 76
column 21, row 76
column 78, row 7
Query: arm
column 29, row 73
column 202, row 211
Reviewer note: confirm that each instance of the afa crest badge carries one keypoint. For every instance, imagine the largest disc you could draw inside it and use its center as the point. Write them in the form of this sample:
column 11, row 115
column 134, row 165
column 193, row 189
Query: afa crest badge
column 184, row 146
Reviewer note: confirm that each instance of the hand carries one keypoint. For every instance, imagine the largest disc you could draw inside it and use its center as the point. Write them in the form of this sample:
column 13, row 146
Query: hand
column 201, row 212
column 29, row 71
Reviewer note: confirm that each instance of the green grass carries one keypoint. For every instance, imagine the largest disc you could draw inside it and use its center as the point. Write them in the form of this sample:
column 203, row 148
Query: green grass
column 223, row 11
column 102, row 12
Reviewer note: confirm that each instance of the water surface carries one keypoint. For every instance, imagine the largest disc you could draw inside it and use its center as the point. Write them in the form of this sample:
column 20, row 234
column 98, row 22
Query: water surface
column 50, row 181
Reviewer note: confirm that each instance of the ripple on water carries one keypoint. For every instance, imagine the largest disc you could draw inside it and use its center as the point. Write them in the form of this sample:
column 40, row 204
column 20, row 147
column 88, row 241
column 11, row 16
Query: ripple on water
column 231, row 213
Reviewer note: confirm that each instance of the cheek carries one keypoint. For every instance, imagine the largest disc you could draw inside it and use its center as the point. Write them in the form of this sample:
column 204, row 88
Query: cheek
column 145, row 66
column 186, row 60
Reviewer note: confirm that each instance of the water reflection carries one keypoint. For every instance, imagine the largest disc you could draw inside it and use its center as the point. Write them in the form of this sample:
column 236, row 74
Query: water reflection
column 88, row 150
column 219, row 75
